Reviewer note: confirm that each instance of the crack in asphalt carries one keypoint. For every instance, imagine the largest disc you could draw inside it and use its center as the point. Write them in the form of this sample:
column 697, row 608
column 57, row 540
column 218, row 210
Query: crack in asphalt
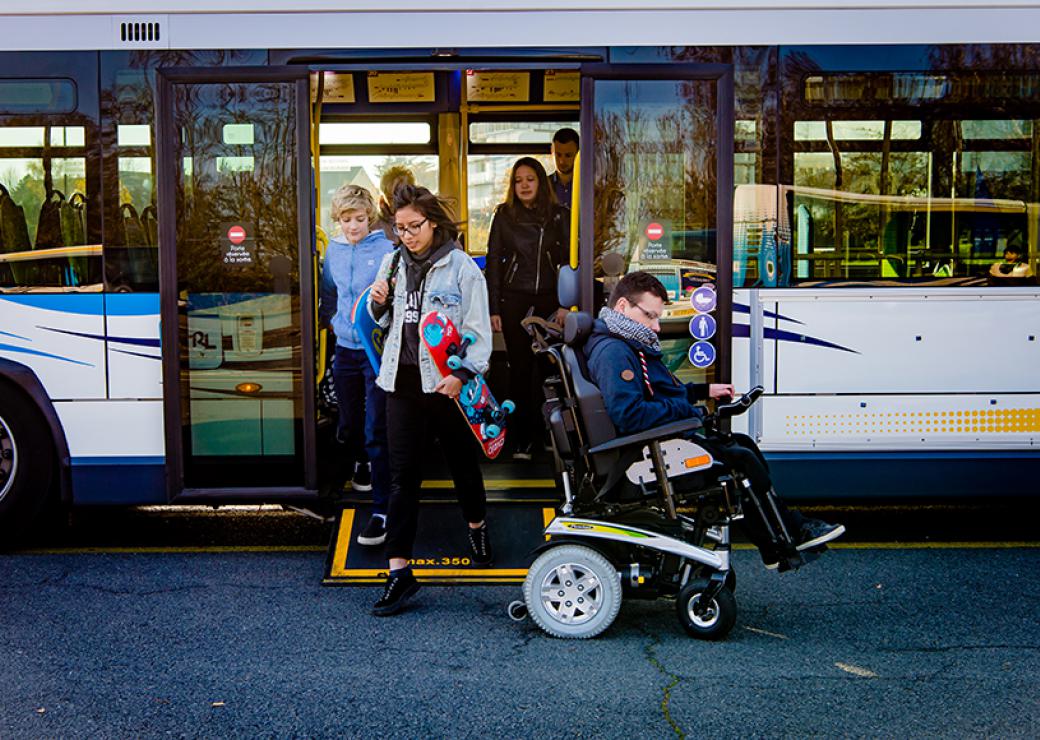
column 666, row 698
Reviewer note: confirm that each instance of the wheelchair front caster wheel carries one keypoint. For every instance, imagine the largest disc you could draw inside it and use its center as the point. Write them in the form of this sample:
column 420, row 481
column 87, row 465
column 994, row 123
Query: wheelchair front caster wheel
column 714, row 622
column 517, row 611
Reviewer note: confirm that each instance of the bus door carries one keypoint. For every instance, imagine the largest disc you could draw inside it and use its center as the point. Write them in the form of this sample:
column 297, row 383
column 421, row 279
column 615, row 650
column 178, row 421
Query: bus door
column 236, row 281
column 656, row 184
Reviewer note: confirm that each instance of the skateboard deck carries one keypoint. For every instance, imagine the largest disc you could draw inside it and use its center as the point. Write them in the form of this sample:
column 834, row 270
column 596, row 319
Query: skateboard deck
column 370, row 332
column 486, row 417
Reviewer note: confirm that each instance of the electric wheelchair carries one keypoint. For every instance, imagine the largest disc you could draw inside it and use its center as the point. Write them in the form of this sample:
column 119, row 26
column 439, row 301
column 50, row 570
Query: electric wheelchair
column 644, row 516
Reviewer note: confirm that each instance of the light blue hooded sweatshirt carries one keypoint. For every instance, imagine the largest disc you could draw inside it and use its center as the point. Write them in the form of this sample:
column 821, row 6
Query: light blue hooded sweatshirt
column 347, row 271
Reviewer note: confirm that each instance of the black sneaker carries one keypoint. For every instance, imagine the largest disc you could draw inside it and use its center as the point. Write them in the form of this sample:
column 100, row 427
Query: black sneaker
column 523, row 452
column 399, row 589
column 480, row 545
column 362, row 480
column 814, row 533
column 374, row 532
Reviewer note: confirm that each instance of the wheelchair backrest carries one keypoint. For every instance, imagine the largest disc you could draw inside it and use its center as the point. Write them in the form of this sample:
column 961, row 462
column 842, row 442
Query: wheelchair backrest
column 596, row 426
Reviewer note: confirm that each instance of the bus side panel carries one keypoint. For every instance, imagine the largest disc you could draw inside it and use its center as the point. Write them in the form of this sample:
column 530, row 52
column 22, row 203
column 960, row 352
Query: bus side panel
column 134, row 354
column 893, row 341
column 117, row 450
column 61, row 337
column 923, row 422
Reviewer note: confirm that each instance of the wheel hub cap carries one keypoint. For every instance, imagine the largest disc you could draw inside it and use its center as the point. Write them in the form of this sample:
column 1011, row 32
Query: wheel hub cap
column 571, row 594
column 8, row 459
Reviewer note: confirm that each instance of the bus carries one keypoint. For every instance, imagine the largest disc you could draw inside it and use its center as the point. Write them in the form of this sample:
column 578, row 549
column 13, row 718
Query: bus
column 841, row 177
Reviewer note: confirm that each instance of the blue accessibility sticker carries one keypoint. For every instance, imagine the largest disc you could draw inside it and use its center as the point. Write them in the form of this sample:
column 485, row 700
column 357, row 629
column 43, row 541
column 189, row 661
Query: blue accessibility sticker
column 704, row 299
column 702, row 354
column 702, row 326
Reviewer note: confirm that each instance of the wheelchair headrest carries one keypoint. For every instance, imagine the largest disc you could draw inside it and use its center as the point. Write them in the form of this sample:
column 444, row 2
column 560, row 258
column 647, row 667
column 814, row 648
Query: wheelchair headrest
column 568, row 287
column 577, row 327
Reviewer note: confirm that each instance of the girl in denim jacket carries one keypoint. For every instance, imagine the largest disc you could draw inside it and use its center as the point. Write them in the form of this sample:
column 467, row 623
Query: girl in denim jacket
column 431, row 273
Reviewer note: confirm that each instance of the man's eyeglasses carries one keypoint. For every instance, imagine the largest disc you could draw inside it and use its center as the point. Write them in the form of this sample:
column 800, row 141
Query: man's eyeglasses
column 650, row 315
column 412, row 230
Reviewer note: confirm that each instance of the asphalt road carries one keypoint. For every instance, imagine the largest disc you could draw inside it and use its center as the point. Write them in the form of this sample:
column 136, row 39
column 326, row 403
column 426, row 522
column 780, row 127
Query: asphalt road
column 195, row 623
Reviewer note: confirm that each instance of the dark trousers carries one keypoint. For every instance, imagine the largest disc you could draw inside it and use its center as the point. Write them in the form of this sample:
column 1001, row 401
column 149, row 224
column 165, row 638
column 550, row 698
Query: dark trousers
column 742, row 454
column 362, row 418
column 526, row 375
column 414, row 420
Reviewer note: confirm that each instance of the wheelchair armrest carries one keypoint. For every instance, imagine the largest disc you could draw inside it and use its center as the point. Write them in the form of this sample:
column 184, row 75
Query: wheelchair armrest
column 665, row 431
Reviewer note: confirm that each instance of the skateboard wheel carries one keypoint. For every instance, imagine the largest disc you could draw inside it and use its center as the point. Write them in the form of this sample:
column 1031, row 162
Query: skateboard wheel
column 469, row 338
column 508, row 406
column 454, row 362
column 493, row 430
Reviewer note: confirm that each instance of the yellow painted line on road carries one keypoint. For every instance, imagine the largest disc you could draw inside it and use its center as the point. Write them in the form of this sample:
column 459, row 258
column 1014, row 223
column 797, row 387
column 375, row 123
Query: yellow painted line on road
column 170, row 550
column 498, row 484
column 217, row 549
column 855, row 670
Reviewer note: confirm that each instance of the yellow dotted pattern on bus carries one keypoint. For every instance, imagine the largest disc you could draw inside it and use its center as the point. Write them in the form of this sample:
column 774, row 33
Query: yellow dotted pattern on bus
column 987, row 421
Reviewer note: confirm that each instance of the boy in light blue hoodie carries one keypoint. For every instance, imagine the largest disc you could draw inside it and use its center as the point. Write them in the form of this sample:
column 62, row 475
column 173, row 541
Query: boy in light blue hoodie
column 351, row 262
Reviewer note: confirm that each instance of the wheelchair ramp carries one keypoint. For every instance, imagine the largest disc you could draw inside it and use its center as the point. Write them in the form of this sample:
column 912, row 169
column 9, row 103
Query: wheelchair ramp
column 442, row 554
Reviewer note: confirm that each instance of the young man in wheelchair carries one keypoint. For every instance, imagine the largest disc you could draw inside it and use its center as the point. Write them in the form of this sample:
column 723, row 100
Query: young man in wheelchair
column 624, row 361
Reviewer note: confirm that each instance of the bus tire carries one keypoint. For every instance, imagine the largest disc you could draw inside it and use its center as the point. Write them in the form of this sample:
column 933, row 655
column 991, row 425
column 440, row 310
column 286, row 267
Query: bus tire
column 27, row 463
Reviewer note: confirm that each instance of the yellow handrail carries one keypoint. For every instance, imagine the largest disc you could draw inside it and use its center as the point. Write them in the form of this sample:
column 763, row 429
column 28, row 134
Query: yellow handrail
column 575, row 200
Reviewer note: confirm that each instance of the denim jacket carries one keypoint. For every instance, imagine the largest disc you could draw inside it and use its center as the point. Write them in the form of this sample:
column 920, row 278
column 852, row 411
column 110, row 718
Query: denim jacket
column 455, row 286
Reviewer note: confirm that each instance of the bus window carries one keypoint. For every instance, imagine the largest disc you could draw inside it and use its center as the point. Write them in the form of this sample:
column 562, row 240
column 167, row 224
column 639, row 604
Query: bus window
column 886, row 181
column 360, row 152
column 43, row 211
column 494, row 146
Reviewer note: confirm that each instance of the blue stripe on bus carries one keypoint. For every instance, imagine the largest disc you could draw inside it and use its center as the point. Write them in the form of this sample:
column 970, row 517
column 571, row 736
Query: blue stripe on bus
column 845, row 475
column 119, row 480
column 92, row 304
column 132, row 304
column 15, row 336
column 137, row 341
column 38, row 353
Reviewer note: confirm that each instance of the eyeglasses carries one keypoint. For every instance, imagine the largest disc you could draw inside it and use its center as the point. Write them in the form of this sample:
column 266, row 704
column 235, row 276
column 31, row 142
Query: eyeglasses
column 412, row 230
column 650, row 315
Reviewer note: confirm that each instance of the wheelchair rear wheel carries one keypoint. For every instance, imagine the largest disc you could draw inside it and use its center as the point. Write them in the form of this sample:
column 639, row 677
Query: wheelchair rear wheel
column 713, row 624
column 572, row 591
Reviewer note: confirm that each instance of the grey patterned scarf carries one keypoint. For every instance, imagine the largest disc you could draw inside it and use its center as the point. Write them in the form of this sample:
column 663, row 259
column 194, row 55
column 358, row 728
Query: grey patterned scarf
column 625, row 327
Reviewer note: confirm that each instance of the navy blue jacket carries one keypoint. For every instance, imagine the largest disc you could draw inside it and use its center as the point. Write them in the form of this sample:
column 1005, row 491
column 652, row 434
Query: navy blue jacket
column 615, row 368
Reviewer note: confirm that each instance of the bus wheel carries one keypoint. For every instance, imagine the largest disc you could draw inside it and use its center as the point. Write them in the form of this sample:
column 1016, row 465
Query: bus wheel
column 26, row 463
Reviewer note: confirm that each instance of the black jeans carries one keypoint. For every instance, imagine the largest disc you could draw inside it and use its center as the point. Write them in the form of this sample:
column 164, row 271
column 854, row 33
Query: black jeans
column 362, row 418
column 414, row 419
column 742, row 454
column 526, row 375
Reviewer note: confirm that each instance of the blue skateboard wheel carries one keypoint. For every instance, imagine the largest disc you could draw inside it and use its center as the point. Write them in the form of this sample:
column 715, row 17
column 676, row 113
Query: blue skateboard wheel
column 469, row 338
column 454, row 362
column 493, row 430
column 508, row 406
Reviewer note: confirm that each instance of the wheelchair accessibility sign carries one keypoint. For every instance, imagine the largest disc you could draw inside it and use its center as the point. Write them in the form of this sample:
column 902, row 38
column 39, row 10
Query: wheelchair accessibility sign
column 702, row 354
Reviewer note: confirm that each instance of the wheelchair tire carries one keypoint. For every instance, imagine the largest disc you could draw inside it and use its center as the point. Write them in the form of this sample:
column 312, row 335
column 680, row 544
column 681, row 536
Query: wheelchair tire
column 719, row 619
column 572, row 591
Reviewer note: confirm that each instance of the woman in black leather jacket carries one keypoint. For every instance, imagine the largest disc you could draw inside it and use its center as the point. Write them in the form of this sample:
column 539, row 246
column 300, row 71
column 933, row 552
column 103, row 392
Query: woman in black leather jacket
column 527, row 245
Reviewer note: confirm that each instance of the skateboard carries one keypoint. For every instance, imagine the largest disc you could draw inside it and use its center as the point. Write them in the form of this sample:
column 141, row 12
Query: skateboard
column 371, row 333
column 485, row 416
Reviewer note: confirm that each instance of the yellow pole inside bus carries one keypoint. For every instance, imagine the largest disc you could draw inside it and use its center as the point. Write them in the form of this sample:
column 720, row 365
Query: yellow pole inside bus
column 575, row 200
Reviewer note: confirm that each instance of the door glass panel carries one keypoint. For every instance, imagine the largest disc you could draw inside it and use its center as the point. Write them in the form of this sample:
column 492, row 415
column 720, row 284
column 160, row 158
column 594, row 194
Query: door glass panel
column 238, row 283
column 655, row 195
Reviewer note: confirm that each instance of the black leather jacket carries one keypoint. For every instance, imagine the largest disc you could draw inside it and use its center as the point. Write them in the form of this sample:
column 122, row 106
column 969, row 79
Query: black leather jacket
column 525, row 253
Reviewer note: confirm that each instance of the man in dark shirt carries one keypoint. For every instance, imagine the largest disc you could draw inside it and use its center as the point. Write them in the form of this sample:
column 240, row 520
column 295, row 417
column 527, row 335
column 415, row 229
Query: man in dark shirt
column 624, row 360
column 564, row 150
